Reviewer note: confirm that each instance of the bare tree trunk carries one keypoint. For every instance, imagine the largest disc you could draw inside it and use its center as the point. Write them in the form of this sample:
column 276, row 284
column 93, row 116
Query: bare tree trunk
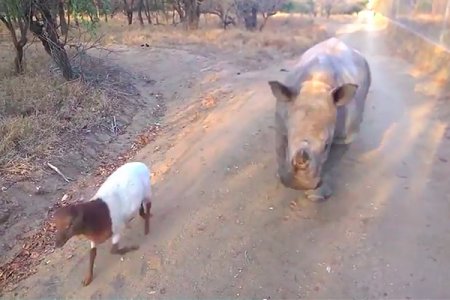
column 166, row 16
column 69, row 14
column 140, row 7
column 48, row 36
column 147, row 11
column 18, row 61
column 179, row 10
column 128, row 4
column 192, row 10
column 130, row 17
column 248, row 12
column 62, row 18
column 114, row 11
column 251, row 19
column 18, row 44
column 264, row 21
column 97, row 9
column 328, row 10
column 227, row 19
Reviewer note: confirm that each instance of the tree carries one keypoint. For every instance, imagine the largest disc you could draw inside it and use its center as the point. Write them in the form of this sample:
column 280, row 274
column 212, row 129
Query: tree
column 178, row 6
column 248, row 10
column 49, row 21
column 192, row 13
column 269, row 8
column 12, row 15
column 220, row 8
column 128, row 5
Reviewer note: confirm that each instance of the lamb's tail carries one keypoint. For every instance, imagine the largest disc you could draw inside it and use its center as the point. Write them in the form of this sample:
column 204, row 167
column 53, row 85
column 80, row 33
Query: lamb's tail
column 145, row 205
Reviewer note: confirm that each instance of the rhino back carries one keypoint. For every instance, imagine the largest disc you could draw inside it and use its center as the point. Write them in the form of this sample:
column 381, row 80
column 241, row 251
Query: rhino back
column 330, row 61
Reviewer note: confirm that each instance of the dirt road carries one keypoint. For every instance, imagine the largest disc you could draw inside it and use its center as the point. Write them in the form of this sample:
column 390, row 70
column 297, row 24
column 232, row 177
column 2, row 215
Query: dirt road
column 223, row 227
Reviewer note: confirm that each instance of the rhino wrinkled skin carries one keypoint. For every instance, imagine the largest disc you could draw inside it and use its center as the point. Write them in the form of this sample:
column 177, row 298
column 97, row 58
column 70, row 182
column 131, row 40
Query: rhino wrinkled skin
column 320, row 102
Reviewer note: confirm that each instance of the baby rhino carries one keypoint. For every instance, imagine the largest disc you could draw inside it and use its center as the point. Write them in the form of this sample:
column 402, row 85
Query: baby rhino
column 320, row 102
column 125, row 192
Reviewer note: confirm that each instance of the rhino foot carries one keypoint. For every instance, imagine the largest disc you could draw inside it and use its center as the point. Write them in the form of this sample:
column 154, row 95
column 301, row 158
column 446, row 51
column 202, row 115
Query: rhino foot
column 320, row 194
column 345, row 140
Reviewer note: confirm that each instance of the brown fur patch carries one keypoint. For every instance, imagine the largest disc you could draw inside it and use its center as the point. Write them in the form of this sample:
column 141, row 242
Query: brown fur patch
column 97, row 221
column 63, row 217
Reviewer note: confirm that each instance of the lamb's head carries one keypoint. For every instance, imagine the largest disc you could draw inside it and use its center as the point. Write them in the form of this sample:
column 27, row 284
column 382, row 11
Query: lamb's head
column 306, row 119
column 69, row 222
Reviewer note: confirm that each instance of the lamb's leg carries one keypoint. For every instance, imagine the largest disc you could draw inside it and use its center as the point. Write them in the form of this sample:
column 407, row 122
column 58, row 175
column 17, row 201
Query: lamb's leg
column 146, row 214
column 90, row 274
column 115, row 246
column 148, row 207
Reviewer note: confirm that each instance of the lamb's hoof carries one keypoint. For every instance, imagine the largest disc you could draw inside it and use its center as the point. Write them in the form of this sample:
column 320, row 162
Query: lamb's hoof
column 320, row 194
column 124, row 250
column 87, row 280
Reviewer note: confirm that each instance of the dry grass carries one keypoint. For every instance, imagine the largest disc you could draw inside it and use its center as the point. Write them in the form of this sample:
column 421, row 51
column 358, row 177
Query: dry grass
column 38, row 108
column 284, row 34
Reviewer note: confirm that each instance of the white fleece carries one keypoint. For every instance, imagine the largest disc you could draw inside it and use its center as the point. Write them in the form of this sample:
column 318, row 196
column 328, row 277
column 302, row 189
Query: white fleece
column 123, row 192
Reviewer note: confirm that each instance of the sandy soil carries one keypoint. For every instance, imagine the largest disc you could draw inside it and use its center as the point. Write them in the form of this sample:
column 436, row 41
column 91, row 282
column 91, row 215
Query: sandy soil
column 224, row 227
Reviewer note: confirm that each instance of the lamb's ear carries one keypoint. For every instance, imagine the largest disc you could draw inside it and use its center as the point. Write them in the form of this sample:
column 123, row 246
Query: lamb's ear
column 344, row 93
column 281, row 92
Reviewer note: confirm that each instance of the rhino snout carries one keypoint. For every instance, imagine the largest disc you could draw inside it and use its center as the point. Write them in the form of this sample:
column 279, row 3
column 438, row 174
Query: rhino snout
column 299, row 179
column 301, row 160
column 299, row 183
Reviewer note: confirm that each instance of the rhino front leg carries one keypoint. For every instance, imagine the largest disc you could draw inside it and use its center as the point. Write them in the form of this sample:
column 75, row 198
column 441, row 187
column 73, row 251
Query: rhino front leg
column 345, row 140
column 348, row 125
column 321, row 193
column 281, row 143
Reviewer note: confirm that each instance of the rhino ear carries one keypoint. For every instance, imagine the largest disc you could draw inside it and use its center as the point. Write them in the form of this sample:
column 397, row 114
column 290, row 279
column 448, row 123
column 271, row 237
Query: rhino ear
column 280, row 91
column 343, row 94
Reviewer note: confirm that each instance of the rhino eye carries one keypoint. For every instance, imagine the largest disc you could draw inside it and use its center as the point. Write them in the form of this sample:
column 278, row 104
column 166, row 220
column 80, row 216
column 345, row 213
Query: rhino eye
column 326, row 146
